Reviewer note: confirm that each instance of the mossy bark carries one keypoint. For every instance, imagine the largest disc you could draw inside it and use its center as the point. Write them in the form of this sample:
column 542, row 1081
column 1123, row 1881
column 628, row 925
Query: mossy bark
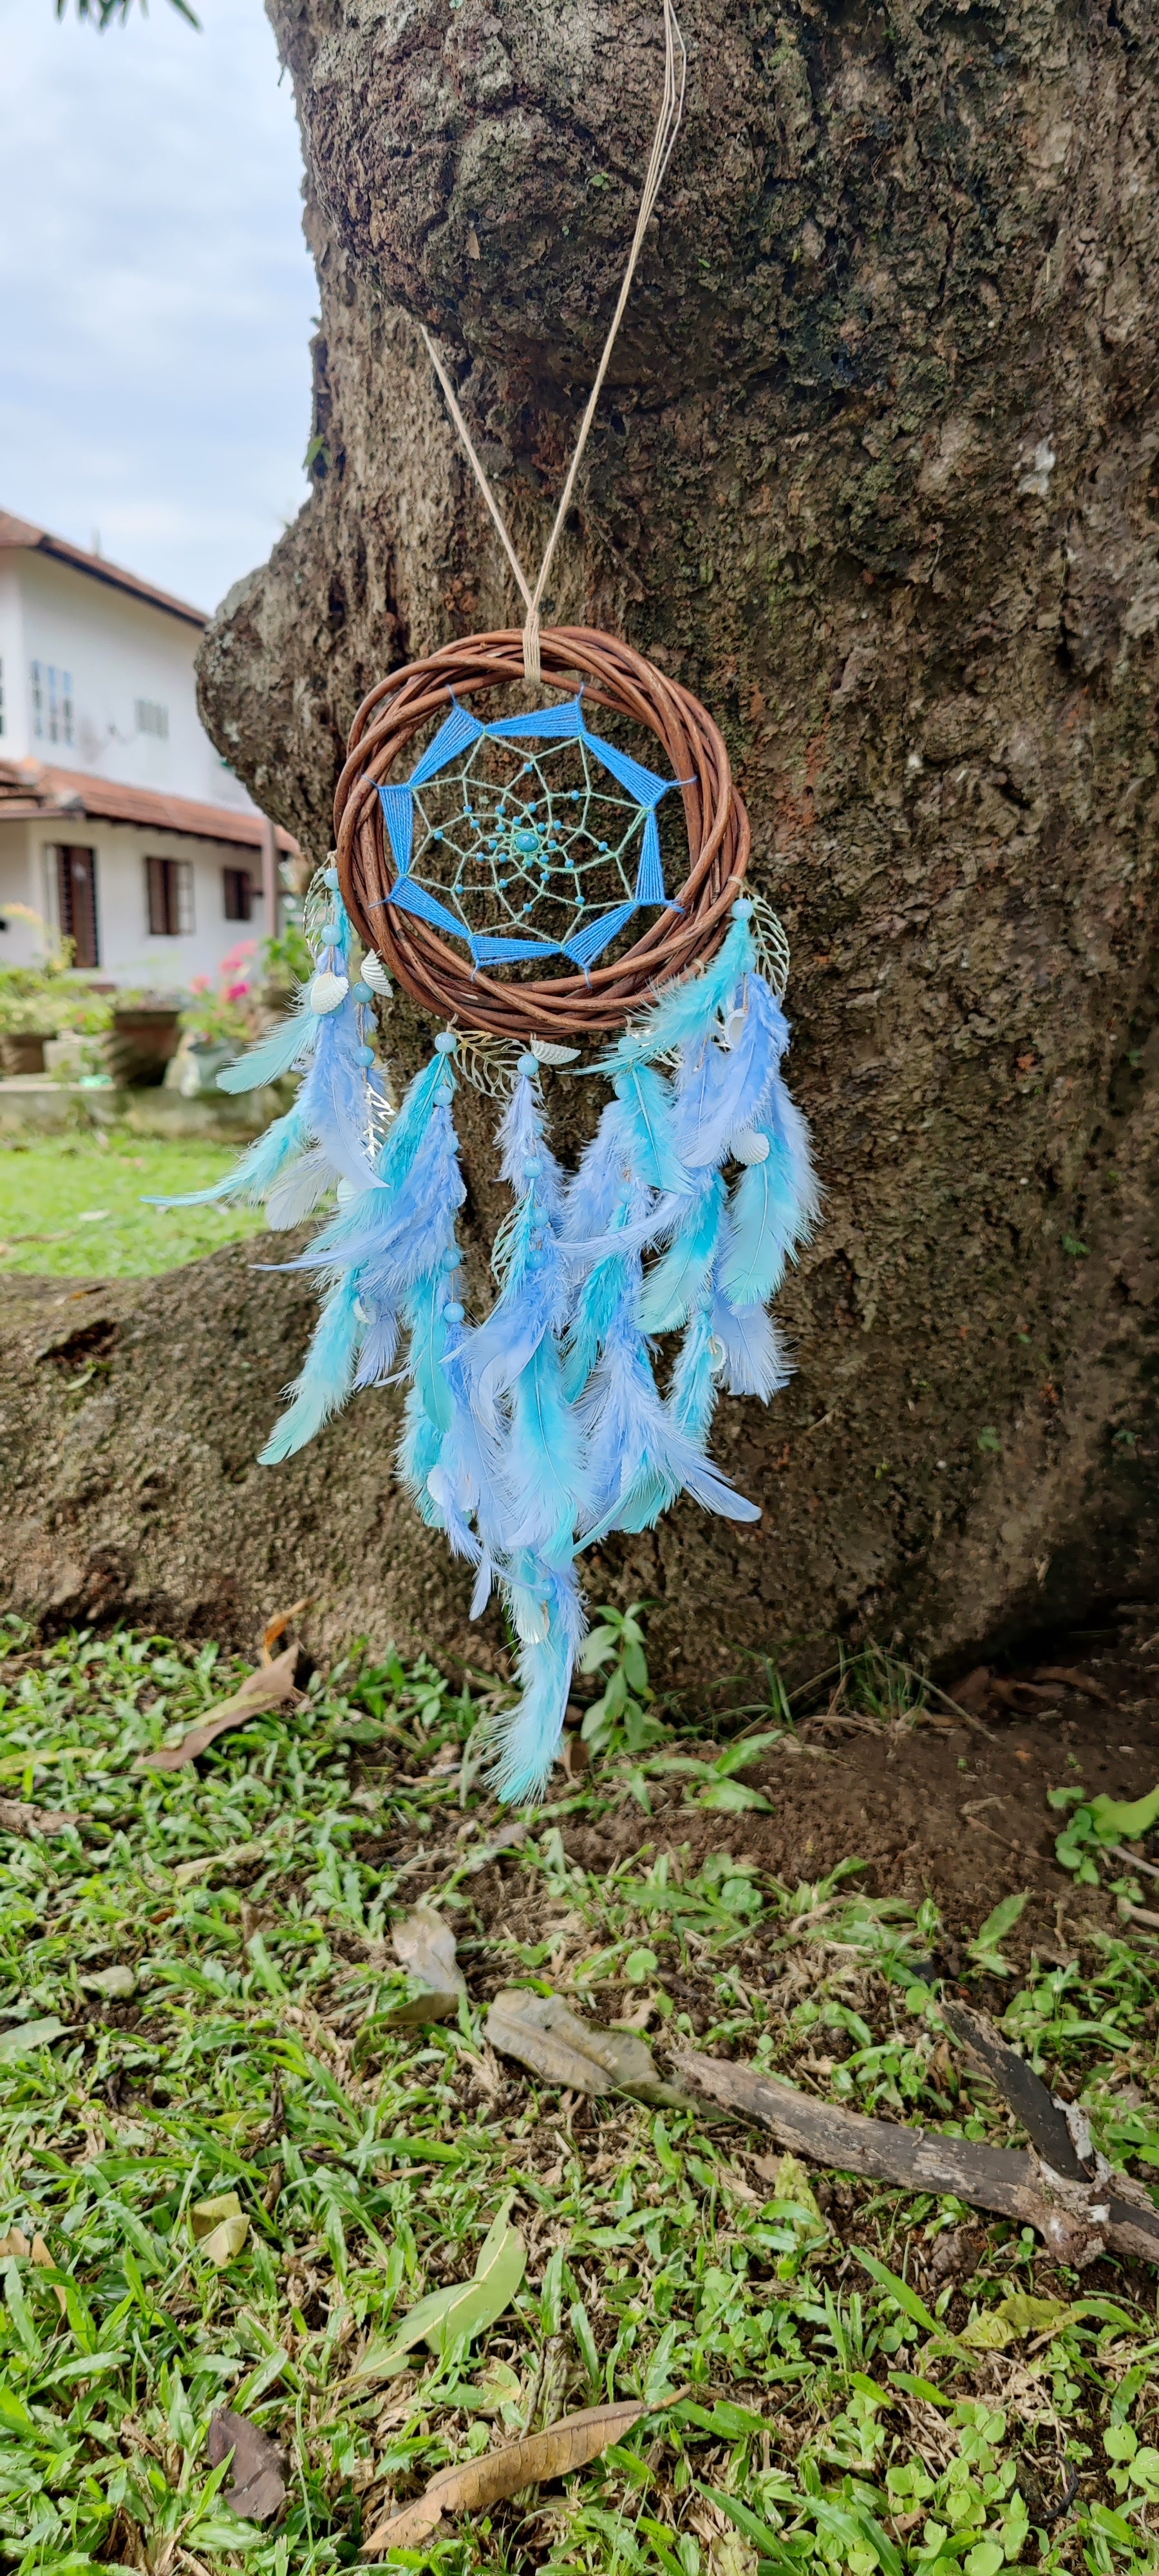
column 875, row 474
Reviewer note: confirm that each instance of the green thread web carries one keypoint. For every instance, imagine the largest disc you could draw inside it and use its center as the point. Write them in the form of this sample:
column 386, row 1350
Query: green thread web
column 526, row 843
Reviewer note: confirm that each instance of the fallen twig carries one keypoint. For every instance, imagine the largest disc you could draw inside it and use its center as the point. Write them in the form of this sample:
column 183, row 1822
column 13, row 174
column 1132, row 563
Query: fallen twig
column 18, row 1818
column 1062, row 2186
column 1118, row 1851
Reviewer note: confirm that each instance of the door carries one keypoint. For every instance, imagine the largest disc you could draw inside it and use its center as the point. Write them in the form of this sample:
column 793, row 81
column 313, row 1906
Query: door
column 76, row 886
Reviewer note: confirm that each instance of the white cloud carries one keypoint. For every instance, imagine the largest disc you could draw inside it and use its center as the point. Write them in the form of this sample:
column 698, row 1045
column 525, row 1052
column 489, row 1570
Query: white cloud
column 156, row 291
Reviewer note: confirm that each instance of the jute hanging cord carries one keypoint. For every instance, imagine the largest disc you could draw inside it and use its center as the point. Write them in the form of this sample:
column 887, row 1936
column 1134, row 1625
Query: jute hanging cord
column 690, row 924
column 663, row 141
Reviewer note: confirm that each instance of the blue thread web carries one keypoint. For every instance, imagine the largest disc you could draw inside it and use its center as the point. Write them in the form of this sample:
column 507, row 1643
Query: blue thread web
column 526, row 853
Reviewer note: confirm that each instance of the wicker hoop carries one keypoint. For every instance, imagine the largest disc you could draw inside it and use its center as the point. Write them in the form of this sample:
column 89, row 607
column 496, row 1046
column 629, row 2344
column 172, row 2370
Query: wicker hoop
column 564, row 1006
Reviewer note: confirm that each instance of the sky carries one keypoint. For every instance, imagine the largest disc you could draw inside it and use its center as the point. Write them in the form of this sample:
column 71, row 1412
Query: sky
column 156, row 296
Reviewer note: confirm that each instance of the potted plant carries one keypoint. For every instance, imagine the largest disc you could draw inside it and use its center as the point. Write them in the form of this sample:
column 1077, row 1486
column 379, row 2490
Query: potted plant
column 218, row 1021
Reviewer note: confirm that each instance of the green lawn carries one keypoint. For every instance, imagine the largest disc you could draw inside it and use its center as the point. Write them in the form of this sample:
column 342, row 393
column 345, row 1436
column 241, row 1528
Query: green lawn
column 196, row 1999
column 72, row 1206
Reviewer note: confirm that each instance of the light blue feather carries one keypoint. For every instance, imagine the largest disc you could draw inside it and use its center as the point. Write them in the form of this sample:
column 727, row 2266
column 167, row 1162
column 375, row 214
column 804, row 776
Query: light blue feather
column 333, row 1098
column 548, row 1615
column 646, row 1102
column 773, row 1206
column 326, row 1376
column 722, row 1090
column 754, row 1361
column 263, row 1163
column 683, row 1010
column 521, row 1137
column 296, row 1192
column 694, row 1388
column 277, row 1052
column 639, row 1458
column 543, row 1468
column 674, row 1284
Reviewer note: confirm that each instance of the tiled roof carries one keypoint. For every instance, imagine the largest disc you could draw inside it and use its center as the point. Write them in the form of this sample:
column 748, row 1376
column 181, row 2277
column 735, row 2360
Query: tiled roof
column 29, row 790
column 19, row 533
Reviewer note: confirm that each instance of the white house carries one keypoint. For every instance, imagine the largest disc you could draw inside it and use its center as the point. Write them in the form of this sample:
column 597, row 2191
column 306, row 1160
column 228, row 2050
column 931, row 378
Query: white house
column 119, row 822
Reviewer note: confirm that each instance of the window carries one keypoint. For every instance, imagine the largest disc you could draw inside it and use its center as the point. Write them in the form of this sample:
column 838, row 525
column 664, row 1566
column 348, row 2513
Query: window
column 51, row 703
column 237, row 888
column 169, row 885
column 153, row 719
column 76, row 903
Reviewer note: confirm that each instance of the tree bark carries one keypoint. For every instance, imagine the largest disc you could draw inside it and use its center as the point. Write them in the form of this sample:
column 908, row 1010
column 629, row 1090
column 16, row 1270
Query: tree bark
column 875, row 475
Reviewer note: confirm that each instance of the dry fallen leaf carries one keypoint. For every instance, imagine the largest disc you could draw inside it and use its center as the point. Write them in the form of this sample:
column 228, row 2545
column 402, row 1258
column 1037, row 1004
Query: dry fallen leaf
column 543, row 2033
column 15, row 2248
column 425, row 1946
column 267, row 1688
column 276, row 1628
column 17, row 1818
column 259, row 2484
column 116, row 1984
column 219, row 2228
column 535, row 2459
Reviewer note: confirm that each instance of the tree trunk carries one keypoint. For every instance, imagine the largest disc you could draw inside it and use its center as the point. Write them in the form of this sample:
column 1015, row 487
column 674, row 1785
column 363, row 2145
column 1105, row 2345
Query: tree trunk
column 874, row 474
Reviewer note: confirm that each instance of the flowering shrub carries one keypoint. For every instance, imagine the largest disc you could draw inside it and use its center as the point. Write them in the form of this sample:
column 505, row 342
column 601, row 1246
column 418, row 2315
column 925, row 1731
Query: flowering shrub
column 225, row 1013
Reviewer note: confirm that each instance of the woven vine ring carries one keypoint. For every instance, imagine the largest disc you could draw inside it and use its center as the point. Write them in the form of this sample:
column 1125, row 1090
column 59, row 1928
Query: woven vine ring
column 687, row 931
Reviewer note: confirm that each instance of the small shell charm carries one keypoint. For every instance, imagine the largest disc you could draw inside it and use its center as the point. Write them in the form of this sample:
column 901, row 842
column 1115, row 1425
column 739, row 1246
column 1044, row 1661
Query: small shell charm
column 327, row 991
column 546, row 1052
column 374, row 973
column 750, row 1146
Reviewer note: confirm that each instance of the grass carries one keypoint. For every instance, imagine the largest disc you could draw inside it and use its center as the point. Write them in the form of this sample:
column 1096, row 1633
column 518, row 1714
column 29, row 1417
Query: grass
column 71, row 1206
column 194, row 1991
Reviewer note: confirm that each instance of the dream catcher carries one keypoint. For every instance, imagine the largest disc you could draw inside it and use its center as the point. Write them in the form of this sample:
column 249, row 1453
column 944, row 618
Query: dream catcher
column 512, row 880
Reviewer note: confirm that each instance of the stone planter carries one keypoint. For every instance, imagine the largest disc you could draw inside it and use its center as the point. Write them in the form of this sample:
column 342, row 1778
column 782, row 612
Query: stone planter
column 22, row 1051
column 194, row 1069
column 143, row 1040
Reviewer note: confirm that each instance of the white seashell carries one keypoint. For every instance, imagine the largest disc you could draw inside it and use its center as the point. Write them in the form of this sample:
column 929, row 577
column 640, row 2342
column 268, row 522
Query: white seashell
column 327, row 991
column 750, row 1146
column 733, row 1028
column 374, row 973
column 546, row 1053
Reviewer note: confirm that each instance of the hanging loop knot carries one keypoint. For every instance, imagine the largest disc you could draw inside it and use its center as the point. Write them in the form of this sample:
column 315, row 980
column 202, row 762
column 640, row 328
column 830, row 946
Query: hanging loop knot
column 532, row 666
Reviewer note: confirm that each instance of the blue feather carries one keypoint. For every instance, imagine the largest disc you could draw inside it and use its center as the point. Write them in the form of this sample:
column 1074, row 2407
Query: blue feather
column 379, row 1344
column 773, row 1206
column 533, row 1301
column 682, row 1011
column 646, row 1102
column 295, row 1193
column 673, row 1286
column 723, row 1089
column 639, row 1457
column 754, row 1361
column 326, row 1376
column 694, row 1379
column 333, row 1097
column 548, row 1615
column 277, row 1052
column 263, row 1163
